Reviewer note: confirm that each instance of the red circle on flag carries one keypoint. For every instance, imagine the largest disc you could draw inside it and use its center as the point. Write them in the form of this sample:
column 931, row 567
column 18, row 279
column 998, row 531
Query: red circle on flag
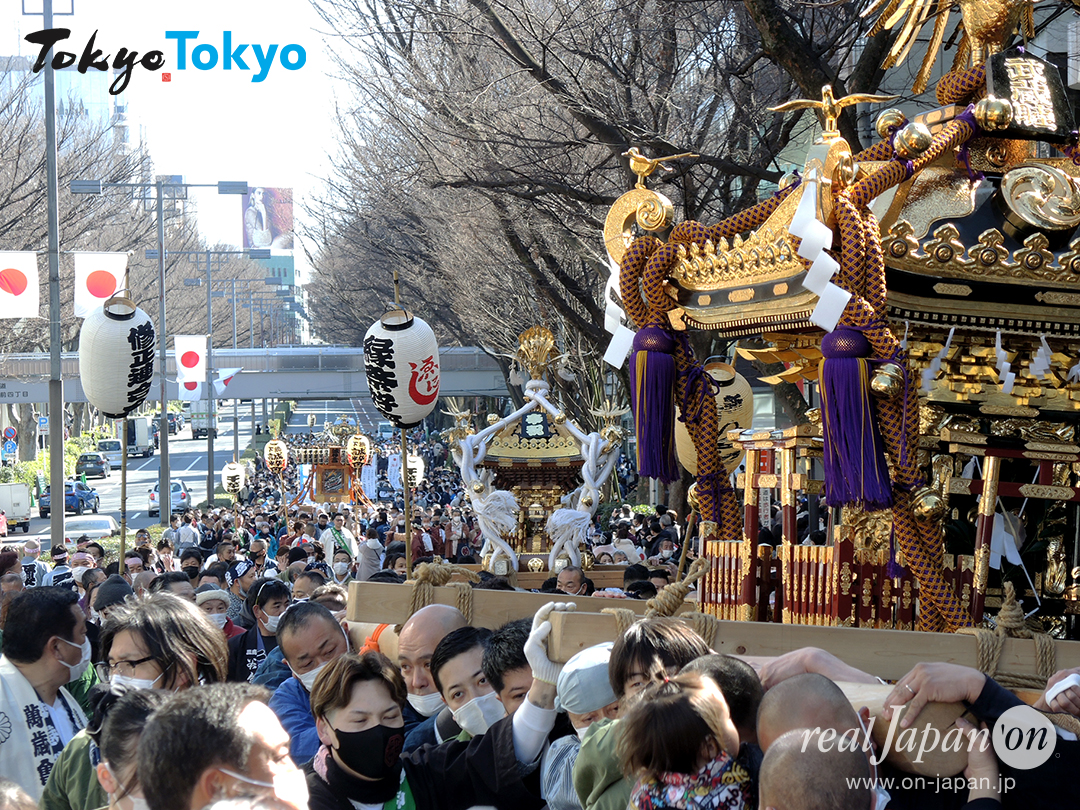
column 101, row 283
column 189, row 359
column 191, row 386
column 12, row 281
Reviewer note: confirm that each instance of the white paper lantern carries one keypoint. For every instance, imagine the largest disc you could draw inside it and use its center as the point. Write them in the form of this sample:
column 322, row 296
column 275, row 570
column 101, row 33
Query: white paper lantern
column 415, row 471
column 276, row 454
column 232, row 477
column 358, row 449
column 116, row 357
column 401, row 358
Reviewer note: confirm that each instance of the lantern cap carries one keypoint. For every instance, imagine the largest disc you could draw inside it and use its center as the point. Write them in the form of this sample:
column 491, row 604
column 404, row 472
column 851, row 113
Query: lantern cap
column 120, row 308
column 397, row 319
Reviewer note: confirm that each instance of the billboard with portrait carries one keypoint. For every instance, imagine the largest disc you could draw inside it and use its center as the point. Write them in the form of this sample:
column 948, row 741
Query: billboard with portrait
column 268, row 218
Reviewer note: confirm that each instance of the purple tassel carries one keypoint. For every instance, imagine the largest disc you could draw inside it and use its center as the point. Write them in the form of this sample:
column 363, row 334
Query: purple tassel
column 894, row 569
column 855, row 468
column 652, row 399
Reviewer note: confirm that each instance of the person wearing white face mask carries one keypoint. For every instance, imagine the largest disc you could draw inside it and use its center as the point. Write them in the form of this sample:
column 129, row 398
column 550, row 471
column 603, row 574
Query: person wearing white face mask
column 45, row 647
column 309, row 638
column 584, row 692
column 343, row 567
column 419, row 637
column 457, row 667
column 214, row 602
column 268, row 600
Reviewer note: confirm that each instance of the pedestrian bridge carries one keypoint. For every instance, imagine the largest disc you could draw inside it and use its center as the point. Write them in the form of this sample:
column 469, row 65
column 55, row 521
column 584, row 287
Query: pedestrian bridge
column 297, row 372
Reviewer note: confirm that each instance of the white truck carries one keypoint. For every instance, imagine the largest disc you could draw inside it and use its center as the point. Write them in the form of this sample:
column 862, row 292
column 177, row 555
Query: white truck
column 203, row 418
column 15, row 501
column 140, row 436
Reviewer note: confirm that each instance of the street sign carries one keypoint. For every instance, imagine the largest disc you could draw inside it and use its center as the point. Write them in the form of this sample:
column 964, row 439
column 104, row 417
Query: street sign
column 42, row 424
column 10, row 448
column 9, row 433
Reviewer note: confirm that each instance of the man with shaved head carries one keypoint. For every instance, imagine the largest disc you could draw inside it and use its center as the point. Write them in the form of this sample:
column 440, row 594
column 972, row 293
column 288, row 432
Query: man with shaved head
column 419, row 637
column 797, row 774
column 804, row 701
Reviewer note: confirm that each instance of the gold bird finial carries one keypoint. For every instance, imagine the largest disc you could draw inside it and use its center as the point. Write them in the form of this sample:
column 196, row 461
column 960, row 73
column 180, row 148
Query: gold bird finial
column 830, row 107
column 643, row 166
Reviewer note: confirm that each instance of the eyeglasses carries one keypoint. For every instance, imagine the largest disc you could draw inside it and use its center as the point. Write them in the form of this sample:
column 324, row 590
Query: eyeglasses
column 126, row 668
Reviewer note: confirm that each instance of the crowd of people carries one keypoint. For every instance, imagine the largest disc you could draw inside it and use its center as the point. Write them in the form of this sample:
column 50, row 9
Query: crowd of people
column 216, row 668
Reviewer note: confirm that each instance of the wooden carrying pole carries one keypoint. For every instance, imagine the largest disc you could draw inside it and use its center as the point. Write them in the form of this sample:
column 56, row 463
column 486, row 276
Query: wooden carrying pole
column 388, row 603
column 887, row 654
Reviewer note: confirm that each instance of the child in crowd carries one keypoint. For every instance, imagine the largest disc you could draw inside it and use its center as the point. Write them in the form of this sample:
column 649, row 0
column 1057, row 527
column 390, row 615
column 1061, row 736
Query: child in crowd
column 680, row 743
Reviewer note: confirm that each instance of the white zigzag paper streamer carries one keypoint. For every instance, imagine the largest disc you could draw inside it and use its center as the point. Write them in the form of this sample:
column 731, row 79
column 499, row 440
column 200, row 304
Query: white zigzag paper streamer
column 1004, row 367
column 1040, row 363
column 930, row 373
column 815, row 236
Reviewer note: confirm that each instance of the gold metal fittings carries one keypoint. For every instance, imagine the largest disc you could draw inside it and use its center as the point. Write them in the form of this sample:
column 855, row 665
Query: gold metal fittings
column 993, row 114
column 913, row 140
column 888, row 381
column 889, row 120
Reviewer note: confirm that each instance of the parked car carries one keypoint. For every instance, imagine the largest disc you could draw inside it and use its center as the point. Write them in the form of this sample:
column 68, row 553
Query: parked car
column 181, row 499
column 93, row 464
column 78, row 497
column 93, row 528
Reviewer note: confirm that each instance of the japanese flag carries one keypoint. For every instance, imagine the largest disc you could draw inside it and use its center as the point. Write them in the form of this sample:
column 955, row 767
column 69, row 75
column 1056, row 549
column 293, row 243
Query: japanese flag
column 97, row 277
column 19, row 293
column 223, row 378
column 191, row 391
column 190, row 358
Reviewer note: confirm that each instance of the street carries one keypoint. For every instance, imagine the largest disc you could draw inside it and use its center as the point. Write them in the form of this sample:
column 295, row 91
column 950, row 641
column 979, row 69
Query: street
column 187, row 458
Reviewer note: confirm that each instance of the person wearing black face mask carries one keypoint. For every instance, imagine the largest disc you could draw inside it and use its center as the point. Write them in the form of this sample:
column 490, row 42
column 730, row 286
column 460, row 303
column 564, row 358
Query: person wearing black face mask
column 191, row 563
column 357, row 703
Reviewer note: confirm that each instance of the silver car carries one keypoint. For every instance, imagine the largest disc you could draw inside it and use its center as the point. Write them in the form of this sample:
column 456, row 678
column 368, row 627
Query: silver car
column 181, row 499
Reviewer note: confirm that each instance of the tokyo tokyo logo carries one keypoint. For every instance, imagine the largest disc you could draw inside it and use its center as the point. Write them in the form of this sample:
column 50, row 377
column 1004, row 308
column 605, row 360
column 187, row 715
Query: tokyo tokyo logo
column 203, row 56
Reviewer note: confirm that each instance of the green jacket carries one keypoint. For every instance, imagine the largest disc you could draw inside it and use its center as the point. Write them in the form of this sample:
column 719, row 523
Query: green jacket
column 73, row 783
column 598, row 780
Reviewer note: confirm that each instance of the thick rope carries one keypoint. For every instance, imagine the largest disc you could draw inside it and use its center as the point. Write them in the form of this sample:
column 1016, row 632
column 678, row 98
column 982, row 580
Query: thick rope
column 705, row 625
column 624, row 617
column 1010, row 623
column 961, row 86
column 429, row 576
column 671, row 596
column 862, row 273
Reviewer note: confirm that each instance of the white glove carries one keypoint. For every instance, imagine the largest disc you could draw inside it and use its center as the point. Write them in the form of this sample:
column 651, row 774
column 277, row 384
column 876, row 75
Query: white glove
column 543, row 668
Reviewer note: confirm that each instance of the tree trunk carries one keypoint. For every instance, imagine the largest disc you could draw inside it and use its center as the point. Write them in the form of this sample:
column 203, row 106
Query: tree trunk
column 24, row 419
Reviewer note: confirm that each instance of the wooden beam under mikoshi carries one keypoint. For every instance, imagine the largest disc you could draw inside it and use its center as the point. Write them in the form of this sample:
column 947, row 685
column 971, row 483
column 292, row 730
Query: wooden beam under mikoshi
column 887, row 654
column 388, row 603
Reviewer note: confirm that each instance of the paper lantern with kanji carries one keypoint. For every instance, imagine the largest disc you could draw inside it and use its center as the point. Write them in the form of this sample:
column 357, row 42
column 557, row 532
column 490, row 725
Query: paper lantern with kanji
column 358, row 449
column 401, row 358
column 233, row 476
column 734, row 410
column 276, row 454
column 116, row 357
column 415, row 467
